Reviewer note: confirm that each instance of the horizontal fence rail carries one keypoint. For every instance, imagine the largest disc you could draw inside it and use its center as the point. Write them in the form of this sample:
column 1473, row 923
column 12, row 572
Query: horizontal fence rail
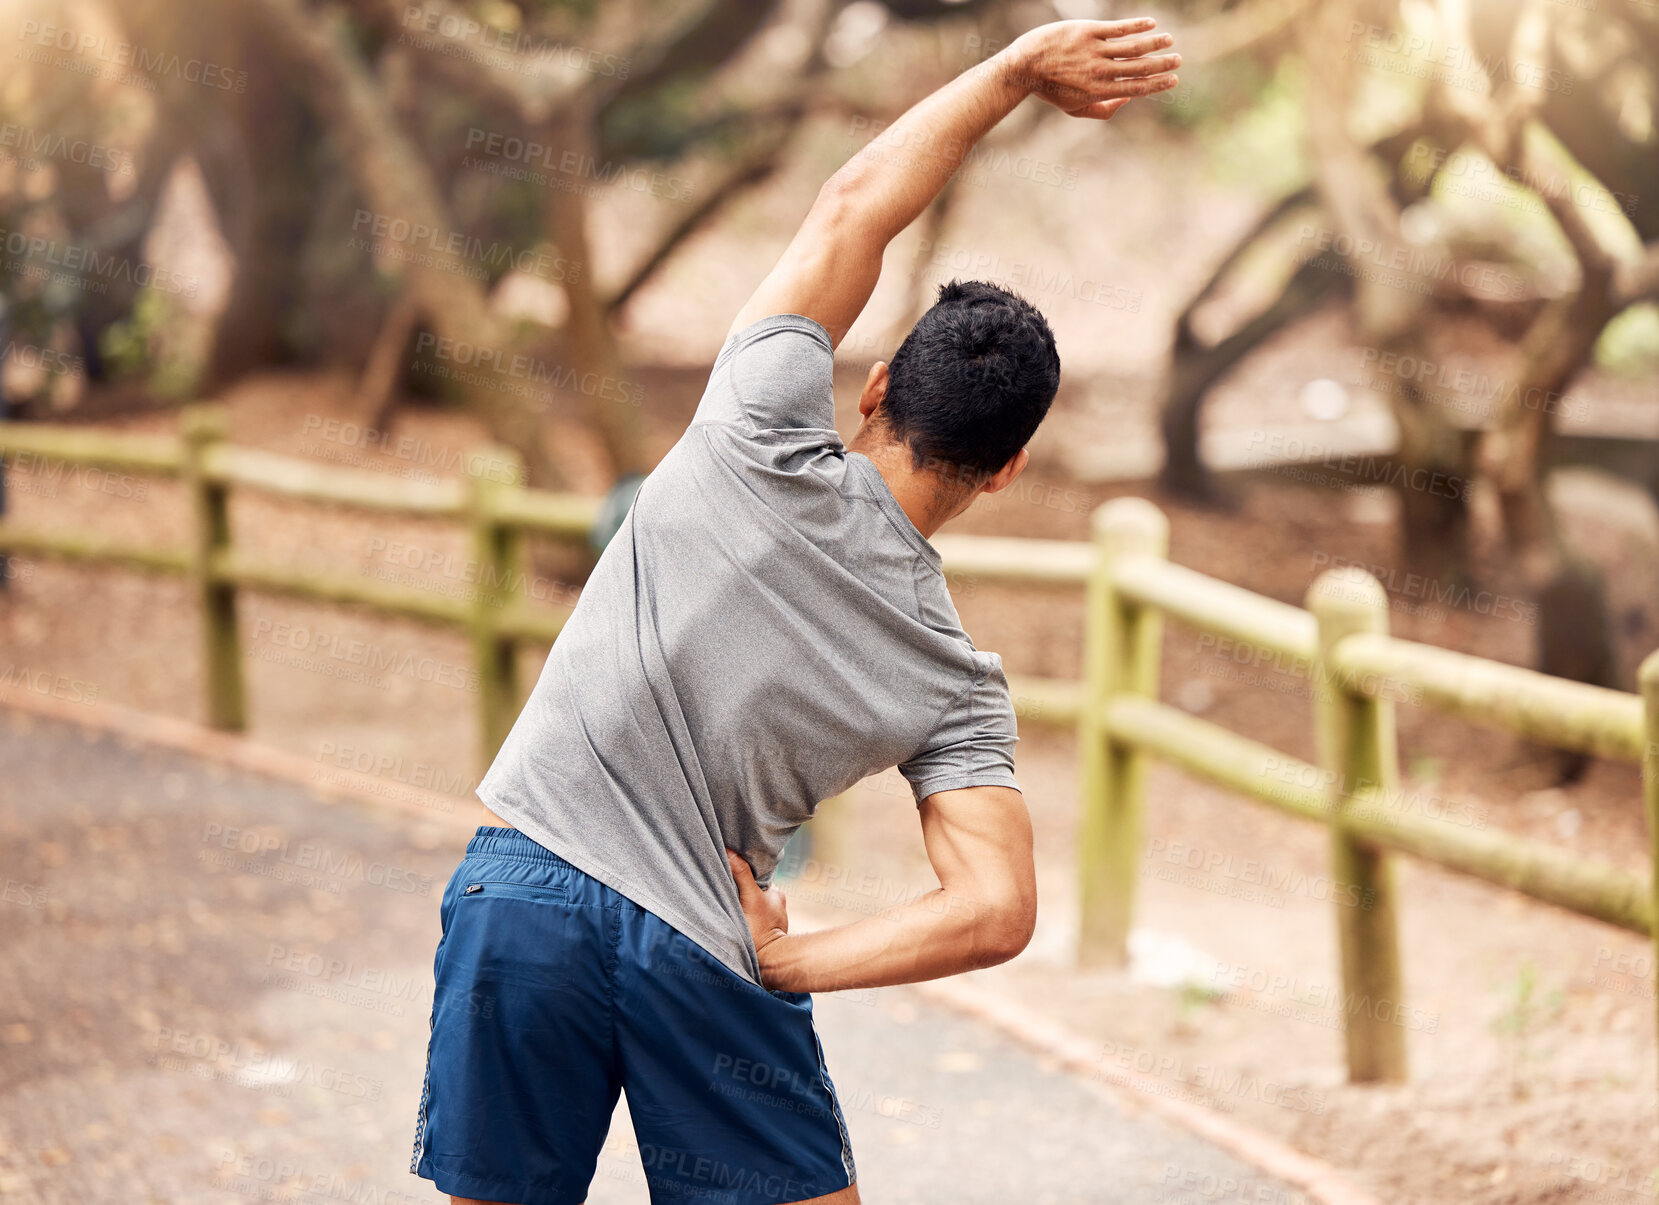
column 1339, row 643
column 1301, row 789
column 1551, row 711
column 499, row 510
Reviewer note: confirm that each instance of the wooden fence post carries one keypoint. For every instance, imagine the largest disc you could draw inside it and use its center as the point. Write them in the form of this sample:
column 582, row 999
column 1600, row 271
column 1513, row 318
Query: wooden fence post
column 498, row 550
column 1648, row 677
column 1355, row 737
column 202, row 427
column 1122, row 644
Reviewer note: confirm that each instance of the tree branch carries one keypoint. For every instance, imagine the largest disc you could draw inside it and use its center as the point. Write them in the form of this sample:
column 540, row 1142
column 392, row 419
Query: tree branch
column 394, row 179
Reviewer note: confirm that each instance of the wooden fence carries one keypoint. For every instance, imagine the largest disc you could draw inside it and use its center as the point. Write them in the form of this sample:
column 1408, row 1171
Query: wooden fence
column 1339, row 643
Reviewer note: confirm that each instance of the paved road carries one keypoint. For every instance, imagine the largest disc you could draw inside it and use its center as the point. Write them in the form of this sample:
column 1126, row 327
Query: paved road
column 216, row 989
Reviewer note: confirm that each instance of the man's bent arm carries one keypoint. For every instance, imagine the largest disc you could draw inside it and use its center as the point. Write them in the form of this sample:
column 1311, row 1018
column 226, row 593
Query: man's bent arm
column 830, row 268
column 983, row 912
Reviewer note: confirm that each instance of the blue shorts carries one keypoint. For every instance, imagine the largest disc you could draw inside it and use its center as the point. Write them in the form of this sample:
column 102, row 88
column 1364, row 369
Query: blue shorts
column 554, row 993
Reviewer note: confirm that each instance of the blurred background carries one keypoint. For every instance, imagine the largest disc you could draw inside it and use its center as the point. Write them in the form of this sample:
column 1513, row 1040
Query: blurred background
column 1375, row 286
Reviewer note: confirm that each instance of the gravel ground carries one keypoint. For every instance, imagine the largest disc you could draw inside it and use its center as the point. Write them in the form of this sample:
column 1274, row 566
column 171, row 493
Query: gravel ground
column 200, row 1023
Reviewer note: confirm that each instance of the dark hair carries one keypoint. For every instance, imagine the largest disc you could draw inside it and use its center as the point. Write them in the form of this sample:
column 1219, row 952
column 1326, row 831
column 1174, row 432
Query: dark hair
column 972, row 380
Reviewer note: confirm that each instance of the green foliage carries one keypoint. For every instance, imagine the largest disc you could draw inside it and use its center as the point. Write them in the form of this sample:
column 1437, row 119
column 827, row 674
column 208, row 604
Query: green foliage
column 159, row 344
column 1194, row 996
column 1253, row 127
column 1425, row 768
column 1526, row 1011
column 1629, row 345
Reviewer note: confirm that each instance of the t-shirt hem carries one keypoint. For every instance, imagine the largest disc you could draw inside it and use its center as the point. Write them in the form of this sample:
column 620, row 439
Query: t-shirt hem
column 807, row 325
column 957, row 782
column 709, row 942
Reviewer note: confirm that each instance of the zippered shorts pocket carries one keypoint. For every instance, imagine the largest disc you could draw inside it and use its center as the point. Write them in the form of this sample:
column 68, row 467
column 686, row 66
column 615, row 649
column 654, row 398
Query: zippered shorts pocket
column 536, row 893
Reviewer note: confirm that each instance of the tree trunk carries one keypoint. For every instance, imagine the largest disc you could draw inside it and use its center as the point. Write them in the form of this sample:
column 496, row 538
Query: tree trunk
column 588, row 339
column 395, row 180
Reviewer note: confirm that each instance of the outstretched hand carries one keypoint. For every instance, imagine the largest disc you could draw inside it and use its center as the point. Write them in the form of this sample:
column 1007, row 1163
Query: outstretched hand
column 1094, row 68
column 766, row 910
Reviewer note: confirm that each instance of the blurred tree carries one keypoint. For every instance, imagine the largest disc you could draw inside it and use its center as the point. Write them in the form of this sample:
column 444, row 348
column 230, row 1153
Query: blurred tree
column 372, row 105
column 1561, row 101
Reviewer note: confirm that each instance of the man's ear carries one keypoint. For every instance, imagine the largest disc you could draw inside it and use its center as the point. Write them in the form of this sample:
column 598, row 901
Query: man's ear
column 1004, row 477
column 875, row 389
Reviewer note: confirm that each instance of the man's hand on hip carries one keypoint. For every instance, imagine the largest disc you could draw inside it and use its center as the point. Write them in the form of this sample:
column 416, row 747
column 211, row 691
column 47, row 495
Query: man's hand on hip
column 766, row 910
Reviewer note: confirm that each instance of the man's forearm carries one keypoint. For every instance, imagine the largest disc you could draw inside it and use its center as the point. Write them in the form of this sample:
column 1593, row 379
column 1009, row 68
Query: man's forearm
column 898, row 173
column 942, row 933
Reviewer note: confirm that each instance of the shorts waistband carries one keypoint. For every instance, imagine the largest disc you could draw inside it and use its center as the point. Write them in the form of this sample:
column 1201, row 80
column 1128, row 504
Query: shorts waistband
column 497, row 842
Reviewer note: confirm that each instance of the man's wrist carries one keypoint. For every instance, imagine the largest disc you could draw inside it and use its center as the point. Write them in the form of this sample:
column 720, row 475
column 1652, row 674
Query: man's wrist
column 1014, row 63
column 777, row 963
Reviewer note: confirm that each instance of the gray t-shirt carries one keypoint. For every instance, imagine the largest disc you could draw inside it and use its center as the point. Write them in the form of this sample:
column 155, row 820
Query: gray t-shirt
column 766, row 629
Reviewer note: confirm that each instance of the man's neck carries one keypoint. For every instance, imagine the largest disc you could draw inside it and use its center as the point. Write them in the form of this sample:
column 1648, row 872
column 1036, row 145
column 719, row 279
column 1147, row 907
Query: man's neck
column 916, row 493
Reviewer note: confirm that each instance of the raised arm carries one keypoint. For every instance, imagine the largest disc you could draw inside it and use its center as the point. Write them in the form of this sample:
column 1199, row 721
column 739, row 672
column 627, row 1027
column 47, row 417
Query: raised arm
column 1086, row 68
column 982, row 913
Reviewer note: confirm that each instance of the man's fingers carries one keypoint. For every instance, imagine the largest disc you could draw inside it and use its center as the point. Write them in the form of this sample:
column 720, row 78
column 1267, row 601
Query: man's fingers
column 1101, row 110
column 1136, row 68
column 1135, row 87
column 1120, row 29
column 1133, row 48
column 744, row 876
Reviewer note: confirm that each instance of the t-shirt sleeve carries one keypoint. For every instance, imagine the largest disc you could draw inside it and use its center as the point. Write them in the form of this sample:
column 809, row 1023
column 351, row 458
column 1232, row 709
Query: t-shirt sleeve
column 973, row 745
column 773, row 375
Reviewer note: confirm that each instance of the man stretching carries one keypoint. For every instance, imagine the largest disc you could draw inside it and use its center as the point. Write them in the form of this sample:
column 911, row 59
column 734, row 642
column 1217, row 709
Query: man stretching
column 769, row 626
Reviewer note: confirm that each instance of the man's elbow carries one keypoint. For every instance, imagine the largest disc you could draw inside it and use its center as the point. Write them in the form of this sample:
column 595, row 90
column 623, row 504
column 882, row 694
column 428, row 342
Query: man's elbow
column 1005, row 929
column 843, row 208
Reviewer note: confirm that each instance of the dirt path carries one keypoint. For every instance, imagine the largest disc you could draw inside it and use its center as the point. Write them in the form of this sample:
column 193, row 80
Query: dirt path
column 202, row 1023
